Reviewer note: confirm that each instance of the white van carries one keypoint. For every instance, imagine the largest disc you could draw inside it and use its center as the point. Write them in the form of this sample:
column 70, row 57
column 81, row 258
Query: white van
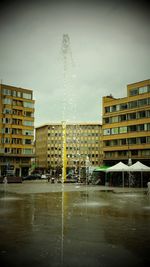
column 43, row 176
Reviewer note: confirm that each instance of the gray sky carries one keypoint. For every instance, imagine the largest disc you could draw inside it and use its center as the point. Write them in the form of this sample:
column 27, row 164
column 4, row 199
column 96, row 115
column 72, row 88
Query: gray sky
column 110, row 44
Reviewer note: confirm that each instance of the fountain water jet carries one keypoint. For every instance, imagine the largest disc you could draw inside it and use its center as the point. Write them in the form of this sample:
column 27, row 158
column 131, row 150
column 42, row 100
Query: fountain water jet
column 148, row 185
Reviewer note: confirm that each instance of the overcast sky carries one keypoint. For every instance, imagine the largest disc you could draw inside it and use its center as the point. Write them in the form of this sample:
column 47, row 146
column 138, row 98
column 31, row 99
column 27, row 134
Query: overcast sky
column 109, row 44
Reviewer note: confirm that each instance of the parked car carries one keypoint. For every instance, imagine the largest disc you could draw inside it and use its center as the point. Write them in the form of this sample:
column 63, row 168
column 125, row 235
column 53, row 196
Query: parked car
column 32, row 177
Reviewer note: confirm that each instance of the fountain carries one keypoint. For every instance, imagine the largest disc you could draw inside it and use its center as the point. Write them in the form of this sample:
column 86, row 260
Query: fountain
column 5, row 181
column 67, row 102
column 148, row 190
column 5, row 195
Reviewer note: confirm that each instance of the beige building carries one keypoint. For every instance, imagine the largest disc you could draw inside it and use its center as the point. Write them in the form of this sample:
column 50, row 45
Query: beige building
column 16, row 130
column 83, row 141
column 126, row 125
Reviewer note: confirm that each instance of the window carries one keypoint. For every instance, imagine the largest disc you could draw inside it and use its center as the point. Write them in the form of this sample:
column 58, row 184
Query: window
column 16, row 150
column 7, row 150
column 18, row 94
column 142, row 102
column 17, row 103
column 5, row 140
column 143, row 140
column 141, row 114
column 132, row 116
column 133, row 104
column 7, row 101
column 107, row 109
column 106, row 131
column 28, row 114
column 146, row 152
column 143, row 90
column 106, row 120
column 7, row 130
column 7, row 111
column 122, row 141
column 114, row 142
column 134, row 152
column 148, row 126
column 14, row 93
column 16, row 122
column 145, row 127
column 114, row 130
column 113, row 108
column 140, row 127
column 109, row 154
column 6, row 91
column 16, row 131
column 117, row 107
column 123, row 106
column 123, row 129
column 16, row 141
column 28, row 123
column 17, row 112
column 27, row 132
column 27, row 151
column 27, row 96
column 148, row 113
column 122, row 117
column 28, row 104
column 7, row 120
column 114, row 119
column 132, row 141
column 27, row 141
column 106, row 143
column 134, row 91
column 132, row 128
column 122, row 153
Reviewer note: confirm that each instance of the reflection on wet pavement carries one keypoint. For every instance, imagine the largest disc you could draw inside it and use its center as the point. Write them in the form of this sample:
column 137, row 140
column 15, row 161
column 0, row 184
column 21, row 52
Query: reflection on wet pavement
column 74, row 228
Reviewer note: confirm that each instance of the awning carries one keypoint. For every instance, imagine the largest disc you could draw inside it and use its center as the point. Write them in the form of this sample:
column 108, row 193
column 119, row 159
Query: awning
column 139, row 167
column 119, row 167
column 101, row 169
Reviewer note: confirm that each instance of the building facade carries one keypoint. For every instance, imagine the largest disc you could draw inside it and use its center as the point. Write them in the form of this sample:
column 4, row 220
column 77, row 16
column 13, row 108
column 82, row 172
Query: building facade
column 126, row 125
column 83, row 140
column 16, row 130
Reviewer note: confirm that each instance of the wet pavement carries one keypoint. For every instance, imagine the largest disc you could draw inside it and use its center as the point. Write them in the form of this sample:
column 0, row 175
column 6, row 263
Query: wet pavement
column 43, row 224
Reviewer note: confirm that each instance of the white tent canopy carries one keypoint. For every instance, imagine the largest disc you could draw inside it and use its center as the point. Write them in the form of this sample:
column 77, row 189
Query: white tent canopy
column 136, row 167
column 119, row 167
column 139, row 167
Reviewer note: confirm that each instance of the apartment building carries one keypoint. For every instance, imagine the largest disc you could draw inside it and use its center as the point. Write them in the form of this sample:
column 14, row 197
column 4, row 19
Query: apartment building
column 83, row 140
column 126, row 125
column 16, row 130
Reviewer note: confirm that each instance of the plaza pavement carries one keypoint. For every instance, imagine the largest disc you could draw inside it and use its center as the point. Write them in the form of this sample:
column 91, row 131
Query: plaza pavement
column 38, row 186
